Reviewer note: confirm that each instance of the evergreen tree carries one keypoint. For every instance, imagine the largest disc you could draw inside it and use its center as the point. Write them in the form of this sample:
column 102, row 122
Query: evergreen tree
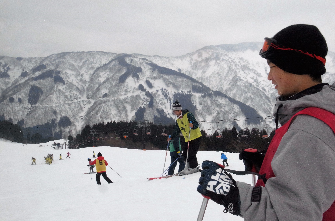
column 10, row 131
column 70, row 139
column 37, row 138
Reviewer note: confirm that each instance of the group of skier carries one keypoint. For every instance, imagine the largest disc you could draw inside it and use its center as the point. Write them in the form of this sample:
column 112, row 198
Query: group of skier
column 296, row 175
column 185, row 155
column 187, row 125
column 49, row 158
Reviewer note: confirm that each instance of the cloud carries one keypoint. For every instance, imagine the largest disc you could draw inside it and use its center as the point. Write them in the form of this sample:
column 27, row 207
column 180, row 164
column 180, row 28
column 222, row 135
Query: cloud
column 166, row 28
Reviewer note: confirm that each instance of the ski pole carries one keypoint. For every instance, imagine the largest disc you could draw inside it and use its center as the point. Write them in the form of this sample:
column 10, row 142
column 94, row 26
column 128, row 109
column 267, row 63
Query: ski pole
column 204, row 205
column 188, row 146
column 254, row 179
column 115, row 172
column 169, row 166
column 203, row 208
column 166, row 152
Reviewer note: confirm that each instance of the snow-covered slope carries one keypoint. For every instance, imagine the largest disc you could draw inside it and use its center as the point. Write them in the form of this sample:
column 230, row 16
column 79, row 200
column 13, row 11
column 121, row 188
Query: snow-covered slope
column 61, row 191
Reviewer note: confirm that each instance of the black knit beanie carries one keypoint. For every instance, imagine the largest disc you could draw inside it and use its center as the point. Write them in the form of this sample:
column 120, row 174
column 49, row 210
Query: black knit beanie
column 306, row 38
column 176, row 106
column 99, row 154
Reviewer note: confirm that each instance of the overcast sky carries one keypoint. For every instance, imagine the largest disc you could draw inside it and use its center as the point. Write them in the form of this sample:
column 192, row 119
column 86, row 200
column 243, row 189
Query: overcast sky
column 34, row 28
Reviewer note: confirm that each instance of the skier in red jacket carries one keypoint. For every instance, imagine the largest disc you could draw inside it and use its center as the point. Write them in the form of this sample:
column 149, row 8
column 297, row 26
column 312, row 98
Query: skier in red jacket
column 100, row 164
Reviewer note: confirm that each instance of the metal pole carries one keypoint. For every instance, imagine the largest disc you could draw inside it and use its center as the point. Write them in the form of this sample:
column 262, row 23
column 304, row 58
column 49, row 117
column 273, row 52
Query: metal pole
column 203, row 209
column 169, row 166
column 115, row 172
column 188, row 147
column 254, row 179
column 166, row 152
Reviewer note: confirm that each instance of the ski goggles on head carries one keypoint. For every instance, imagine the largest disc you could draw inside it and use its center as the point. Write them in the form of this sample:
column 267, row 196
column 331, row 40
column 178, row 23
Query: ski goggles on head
column 266, row 49
column 270, row 45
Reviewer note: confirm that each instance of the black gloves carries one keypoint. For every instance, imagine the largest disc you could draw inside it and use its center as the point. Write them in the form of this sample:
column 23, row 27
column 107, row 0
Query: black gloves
column 219, row 185
column 252, row 159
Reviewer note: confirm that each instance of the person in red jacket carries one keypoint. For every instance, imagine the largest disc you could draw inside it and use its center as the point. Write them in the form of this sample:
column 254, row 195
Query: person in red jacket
column 100, row 164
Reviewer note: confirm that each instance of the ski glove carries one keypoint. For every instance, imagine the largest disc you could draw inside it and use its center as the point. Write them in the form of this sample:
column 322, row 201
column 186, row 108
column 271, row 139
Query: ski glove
column 252, row 159
column 219, row 185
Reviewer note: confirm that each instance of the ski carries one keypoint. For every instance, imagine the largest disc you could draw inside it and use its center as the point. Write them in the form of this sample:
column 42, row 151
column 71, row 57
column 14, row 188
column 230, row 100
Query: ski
column 161, row 177
column 168, row 176
column 89, row 173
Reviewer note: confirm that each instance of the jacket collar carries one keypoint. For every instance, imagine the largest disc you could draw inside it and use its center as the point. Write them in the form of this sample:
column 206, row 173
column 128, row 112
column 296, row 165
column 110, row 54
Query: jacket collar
column 287, row 106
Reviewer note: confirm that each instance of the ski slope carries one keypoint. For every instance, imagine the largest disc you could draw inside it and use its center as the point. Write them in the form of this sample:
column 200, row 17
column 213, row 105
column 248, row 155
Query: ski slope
column 61, row 191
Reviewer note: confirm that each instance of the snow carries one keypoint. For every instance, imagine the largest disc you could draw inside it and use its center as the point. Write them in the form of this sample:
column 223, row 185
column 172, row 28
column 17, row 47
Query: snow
column 61, row 191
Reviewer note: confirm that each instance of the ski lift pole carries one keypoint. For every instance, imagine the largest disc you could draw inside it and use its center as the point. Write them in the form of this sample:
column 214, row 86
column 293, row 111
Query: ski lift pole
column 167, row 147
column 115, row 172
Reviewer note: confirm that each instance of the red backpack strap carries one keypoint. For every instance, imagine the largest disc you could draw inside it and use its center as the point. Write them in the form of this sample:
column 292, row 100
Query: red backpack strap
column 321, row 114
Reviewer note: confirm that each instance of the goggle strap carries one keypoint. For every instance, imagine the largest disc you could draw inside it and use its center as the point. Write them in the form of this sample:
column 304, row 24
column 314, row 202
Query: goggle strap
column 323, row 60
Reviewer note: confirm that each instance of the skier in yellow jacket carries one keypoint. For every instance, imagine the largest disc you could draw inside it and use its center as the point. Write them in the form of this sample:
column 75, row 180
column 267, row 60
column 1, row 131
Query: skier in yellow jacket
column 189, row 127
column 100, row 164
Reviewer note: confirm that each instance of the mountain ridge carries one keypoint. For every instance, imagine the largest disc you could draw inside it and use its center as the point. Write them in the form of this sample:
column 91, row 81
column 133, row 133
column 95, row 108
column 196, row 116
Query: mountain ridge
column 225, row 83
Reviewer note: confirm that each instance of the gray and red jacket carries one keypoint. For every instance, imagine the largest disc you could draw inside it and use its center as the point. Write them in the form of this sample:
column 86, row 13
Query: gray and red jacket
column 299, row 164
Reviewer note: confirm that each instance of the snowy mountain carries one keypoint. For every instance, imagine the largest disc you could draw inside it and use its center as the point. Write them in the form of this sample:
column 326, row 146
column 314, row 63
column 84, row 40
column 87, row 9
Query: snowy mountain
column 225, row 85
column 236, row 70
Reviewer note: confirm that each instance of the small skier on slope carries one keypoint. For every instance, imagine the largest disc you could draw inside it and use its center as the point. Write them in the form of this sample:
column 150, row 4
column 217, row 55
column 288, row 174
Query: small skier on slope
column 91, row 166
column 175, row 153
column 224, row 159
column 33, row 161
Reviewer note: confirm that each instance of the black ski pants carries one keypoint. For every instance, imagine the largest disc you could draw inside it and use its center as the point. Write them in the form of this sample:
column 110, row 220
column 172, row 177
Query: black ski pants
column 91, row 169
column 192, row 152
column 174, row 158
column 104, row 176
column 225, row 161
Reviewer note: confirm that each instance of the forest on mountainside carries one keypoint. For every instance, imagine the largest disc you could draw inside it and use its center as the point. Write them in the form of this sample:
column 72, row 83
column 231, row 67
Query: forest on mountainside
column 146, row 135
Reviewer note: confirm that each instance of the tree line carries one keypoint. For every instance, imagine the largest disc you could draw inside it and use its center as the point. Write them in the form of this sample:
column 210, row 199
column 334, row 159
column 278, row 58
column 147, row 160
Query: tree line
column 16, row 133
column 10, row 131
column 146, row 135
